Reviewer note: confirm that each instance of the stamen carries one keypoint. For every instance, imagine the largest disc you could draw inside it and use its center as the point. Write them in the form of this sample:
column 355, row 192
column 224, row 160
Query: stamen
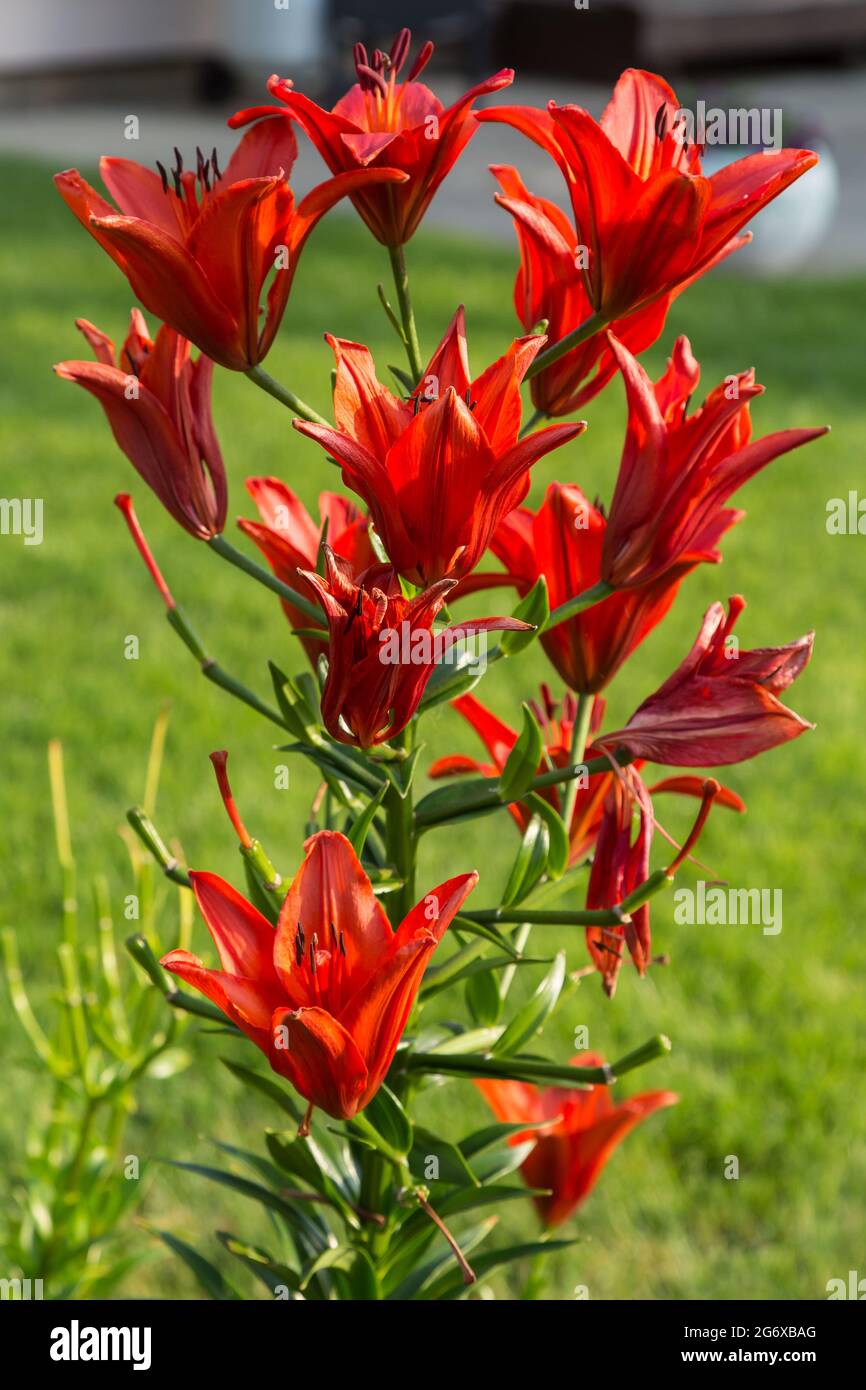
column 359, row 54
column 179, row 157
column 376, row 80
column 219, row 760
column 661, row 122
column 123, row 502
column 356, row 611
column 163, row 175
column 400, row 50
column 177, row 184
column 299, row 948
column 421, row 61
column 711, row 789
column 314, row 944
column 342, row 945
column 214, row 165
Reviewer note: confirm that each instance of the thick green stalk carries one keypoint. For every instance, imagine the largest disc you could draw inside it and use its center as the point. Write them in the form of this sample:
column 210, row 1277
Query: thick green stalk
column 243, row 562
column 285, row 396
column 588, row 329
column 401, row 839
column 407, row 316
column 579, row 736
column 579, row 604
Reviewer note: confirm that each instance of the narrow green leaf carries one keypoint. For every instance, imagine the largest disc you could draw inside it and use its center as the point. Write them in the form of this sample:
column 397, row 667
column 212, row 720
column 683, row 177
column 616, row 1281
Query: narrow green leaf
column 522, row 765
column 275, row 1276
column 388, row 1120
column 450, row 1285
column 450, row 1163
column 533, row 608
column 559, row 847
column 357, row 836
column 531, row 1018
column 266, row 1086
column 213, row 1283
column 482, row 996
column 529, row 864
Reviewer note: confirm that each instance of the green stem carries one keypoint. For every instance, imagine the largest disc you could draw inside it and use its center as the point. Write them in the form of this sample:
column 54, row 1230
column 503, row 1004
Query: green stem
column 285, row 396
column 495, row 916
column 213, row 672
column 243, row 562
column 401, row 843
column 531, row 1069
column 588, row 599
column 535, row 419
column 579, row 736
column 588, row 329
column 482, row 794
column 407, row 317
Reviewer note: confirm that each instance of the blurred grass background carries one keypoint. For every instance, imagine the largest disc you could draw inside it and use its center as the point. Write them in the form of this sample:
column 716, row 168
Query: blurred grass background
column 767, row 1031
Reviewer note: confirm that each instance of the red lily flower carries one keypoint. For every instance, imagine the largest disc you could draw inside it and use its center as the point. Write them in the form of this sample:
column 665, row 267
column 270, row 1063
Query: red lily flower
column 289, row 539
column 327, row 995
column 382, row 649
column 582, row 1127
column 621, row 864
column 557, row 722
column 383, row 121
column 438, row 471
column 648, row 217
column 678, row 470
column 157, row 402
column 563, row 541
column 550, row 288
column 197, row 250
column 720, row 705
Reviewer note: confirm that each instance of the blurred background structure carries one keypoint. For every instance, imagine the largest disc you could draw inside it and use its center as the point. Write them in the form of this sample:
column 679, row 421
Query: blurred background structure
column 767, row 1031
column 71, row 70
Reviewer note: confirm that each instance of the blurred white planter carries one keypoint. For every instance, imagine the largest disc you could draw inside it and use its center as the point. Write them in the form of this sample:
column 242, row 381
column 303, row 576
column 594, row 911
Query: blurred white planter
column 790, row 233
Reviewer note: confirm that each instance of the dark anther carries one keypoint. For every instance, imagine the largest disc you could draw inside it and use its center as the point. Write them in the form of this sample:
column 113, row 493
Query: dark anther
column 179, row 157
column 416, row 405
column 333, row 934
column 421, row 61
column 356, row 611
column 661, row 121
column 301, row 937
column 175, row 174
column 214, row 165
column 342, row 945
column 299, row 950
column 313, row 948
column 163, row 175
column 468, row 398
column 603, row 946
column 375, row 80
column 202, row 169
column 400, row 49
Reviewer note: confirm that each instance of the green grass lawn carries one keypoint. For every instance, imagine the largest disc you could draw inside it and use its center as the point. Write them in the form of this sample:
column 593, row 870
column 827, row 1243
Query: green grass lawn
column 767, row 1031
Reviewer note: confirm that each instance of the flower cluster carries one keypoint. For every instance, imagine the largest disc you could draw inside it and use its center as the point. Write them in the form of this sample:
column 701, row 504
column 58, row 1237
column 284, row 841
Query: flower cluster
column 318, row 972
